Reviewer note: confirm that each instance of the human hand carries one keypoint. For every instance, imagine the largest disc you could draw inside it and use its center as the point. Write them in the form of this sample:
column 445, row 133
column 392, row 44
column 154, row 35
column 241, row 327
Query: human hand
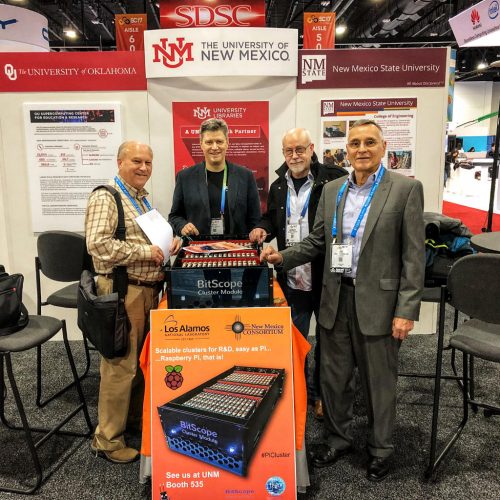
column 189, row 229
column 175, row 246
column 258, row 234
column 157, row 255
column 401, row 327
column 269, row 254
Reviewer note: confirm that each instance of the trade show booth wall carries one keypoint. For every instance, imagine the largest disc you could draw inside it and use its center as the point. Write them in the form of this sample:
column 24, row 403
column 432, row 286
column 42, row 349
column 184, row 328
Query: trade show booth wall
column 146, row 115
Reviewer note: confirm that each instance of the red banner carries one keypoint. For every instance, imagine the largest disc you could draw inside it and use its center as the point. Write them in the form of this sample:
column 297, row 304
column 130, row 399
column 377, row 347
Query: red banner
column 319, row 30
column 70, row 71
column 130, row 31
column 209, row 14
column 248, row 123
column 372, row 68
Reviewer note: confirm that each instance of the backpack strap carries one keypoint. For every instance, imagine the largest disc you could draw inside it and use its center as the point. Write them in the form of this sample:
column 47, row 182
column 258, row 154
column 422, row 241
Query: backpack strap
column 120, row 276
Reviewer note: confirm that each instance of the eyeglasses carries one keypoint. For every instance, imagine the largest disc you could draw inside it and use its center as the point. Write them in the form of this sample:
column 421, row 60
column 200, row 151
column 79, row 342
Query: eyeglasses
column 299, row 150
column 369, row 143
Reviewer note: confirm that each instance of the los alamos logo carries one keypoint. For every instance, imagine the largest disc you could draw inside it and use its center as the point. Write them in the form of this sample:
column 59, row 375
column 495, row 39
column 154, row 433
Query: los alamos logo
column 173, row 54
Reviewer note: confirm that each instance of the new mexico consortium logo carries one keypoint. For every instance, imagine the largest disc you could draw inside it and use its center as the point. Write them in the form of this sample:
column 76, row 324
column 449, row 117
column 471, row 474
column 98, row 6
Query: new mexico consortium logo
column 173, row 54
column 239, row 328
column 313, row 68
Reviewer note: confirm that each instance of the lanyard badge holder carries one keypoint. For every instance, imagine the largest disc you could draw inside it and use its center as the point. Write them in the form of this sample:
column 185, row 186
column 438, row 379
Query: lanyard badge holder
column 341, row 253
column 217, row 225
column 293, row 233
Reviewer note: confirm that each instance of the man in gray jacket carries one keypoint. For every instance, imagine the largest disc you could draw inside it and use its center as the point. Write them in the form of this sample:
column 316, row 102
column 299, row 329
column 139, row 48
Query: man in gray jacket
column 370, row 228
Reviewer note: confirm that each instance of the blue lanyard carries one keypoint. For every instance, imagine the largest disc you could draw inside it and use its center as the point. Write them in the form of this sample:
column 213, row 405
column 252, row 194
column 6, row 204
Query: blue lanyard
column 127, row 194
column 304, row 208
column 223, row 193
column 363, row 209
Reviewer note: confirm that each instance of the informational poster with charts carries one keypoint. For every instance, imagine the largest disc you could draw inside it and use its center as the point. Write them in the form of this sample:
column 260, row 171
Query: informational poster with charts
column 396, row 116
column 71, row 148
column 248, row 123
column 222, row 404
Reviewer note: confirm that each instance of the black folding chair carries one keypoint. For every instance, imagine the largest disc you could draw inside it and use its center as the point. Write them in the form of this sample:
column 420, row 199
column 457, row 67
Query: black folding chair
column 39, row 330
column 60, row 258
column 474, row 288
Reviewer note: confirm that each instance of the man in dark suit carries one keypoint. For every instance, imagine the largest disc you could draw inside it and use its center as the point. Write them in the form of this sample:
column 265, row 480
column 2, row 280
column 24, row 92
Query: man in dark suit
column 214, row 197
column 293, row 200
column 370, row 228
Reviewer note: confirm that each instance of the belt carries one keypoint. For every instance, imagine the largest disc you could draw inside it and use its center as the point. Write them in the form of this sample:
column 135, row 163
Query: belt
column 136, row 282
column 346, row 280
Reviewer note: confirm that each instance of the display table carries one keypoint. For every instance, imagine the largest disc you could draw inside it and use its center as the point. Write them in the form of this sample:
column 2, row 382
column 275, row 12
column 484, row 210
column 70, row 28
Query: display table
column 300, row 348
column 486, row 242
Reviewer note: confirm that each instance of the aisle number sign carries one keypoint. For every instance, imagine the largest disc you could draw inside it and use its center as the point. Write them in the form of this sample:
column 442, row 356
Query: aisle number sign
column 130, row 31
column 319, row 29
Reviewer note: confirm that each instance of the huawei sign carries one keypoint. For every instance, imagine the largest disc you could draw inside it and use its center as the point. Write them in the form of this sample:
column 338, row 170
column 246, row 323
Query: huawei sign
column 475, row 17
column 204, row 14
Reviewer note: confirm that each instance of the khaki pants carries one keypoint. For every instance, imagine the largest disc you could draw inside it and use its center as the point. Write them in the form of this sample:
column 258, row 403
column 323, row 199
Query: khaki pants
column 121, row 390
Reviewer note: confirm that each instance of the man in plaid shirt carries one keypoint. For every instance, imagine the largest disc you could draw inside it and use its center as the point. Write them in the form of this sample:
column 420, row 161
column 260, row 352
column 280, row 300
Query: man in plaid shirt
column 122, row 386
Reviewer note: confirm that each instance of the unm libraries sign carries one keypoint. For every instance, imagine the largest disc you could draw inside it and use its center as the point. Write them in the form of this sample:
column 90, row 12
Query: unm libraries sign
column 243, row 52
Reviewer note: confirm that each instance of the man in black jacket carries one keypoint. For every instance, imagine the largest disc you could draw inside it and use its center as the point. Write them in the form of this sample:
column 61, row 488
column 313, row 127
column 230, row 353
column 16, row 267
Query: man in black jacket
column 291, row 208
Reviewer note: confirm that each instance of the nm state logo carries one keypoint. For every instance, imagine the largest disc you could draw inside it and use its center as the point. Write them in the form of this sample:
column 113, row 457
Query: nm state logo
column 173, row 54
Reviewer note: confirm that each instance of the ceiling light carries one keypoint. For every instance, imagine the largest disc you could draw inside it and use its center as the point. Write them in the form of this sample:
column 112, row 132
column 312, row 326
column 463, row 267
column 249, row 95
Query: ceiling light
column 70, row 33
column 482, row 65
column 340, row 30
column 386, row 20
column 433, row 34
column 325, row 3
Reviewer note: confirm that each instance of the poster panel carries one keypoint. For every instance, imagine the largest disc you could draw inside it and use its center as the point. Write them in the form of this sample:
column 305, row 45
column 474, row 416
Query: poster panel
column 71, row 148
column 248, row 123
column 210, row 14
column 222, row 404
column 130, row 31
column 396, row 116
column 319, row 30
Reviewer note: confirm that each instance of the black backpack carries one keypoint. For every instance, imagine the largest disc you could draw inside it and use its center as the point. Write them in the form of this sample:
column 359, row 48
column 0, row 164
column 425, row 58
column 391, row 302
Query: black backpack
column 13, row 313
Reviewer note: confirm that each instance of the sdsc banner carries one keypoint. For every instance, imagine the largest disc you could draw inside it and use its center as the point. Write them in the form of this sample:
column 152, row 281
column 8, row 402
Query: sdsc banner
column 222, row 404
column 248, row 123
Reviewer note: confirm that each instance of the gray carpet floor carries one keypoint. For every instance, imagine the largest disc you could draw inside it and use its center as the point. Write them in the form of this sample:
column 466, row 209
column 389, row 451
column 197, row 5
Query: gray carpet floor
column 472, row 470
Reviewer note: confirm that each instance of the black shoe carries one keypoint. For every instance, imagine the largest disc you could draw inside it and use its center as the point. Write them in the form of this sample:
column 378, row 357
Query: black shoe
column 378, row 468
column 328, row 456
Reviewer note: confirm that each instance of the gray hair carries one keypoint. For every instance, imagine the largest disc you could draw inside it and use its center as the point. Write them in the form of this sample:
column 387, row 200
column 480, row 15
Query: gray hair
column 213, row 125
column 125, row 145
column 366, row 121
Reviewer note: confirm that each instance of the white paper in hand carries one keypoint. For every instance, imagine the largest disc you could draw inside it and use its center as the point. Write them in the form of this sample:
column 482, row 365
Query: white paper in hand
column 157, row 229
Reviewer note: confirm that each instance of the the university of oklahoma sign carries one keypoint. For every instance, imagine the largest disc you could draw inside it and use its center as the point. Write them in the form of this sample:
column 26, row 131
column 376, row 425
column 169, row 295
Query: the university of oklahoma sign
column 220, row 52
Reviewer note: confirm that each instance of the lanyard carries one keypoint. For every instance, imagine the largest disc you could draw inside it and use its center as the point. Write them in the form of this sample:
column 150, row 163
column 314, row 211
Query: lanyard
column 223, row 192
column 363, row 209
column 132, row 200
column 304, row 208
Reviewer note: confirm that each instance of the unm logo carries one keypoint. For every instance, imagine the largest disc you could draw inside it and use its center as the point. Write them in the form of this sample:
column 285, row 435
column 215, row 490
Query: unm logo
column 201, row 113
column 173, row 54
column 10, row 72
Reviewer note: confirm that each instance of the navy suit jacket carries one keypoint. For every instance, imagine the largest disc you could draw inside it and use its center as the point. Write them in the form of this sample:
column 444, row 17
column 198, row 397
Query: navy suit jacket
column 191, row 204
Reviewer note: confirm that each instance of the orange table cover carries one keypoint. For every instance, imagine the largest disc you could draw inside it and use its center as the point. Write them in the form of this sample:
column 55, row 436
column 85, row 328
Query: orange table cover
column 300, row 348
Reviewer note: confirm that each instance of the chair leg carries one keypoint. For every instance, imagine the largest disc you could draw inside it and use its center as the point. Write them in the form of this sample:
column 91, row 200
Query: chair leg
column 25, row 427
column 41, row 403
column 437, row 390
column 434, row 462
column 76, row 378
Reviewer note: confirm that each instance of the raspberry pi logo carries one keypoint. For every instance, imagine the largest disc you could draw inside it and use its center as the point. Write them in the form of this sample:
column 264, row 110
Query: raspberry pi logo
column 173, row 379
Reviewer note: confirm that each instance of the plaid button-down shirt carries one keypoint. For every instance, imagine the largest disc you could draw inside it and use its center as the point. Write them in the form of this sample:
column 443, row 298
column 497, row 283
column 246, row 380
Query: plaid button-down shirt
column 101, row 221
